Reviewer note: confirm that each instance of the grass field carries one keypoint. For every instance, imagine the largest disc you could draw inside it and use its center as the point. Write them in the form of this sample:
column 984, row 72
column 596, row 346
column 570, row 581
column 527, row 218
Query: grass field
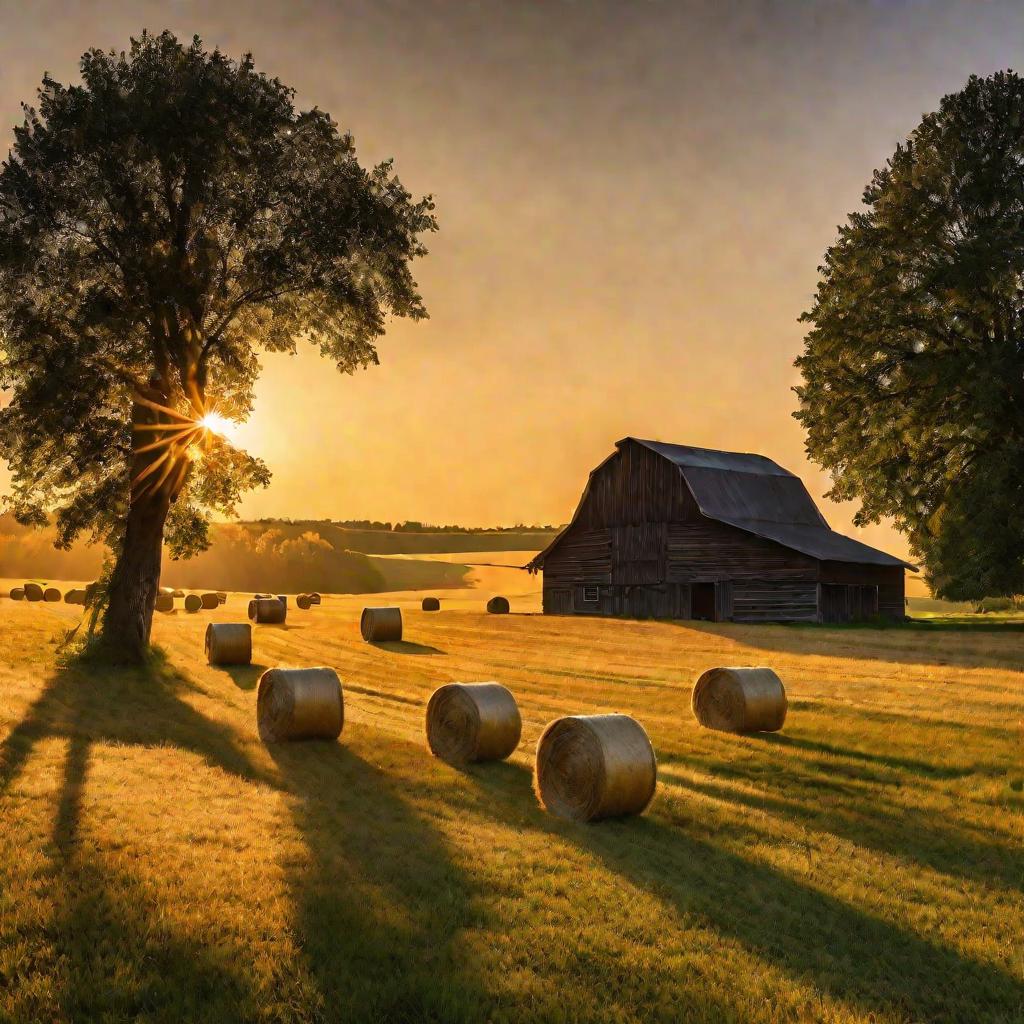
column 158, row 863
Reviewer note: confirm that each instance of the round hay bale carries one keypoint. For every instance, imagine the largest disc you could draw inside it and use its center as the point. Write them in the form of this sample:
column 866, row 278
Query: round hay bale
column 228, row 643
column 740, row 700
column 595, row 766
column 315, row 598
column 303, row 602
column 193, row 603
column 381, row 624
column 430, row 604
column 473, row 722
column 18, row 594
column 51, row 594
column 222, row 597
column 179, row 594
column 210, row 600
column 33, row 592
column 267, row 611
column 498, row 606
column 76, row 596
column 299, row 704
column 164, row 603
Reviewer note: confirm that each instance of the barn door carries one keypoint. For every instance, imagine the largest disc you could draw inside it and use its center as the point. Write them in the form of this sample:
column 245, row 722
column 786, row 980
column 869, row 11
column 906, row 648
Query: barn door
column 711, row 602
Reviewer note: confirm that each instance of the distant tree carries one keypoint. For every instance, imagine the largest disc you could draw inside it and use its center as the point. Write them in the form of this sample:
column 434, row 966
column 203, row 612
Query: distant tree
column 160, row 224
column 913, row 371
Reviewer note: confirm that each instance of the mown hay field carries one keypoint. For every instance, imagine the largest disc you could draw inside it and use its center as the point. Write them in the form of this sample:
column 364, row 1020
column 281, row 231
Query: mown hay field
column 159, row 863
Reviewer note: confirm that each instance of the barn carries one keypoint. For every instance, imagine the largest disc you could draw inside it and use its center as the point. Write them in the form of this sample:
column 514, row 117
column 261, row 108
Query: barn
column 669, row 531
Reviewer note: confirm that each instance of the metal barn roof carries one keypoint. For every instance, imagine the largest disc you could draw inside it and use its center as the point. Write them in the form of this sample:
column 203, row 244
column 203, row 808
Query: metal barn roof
column 757, row 495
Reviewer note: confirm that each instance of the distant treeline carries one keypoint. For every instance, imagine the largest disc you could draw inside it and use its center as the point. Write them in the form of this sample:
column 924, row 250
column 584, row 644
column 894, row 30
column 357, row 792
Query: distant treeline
column 276, row 555
column 410, row 526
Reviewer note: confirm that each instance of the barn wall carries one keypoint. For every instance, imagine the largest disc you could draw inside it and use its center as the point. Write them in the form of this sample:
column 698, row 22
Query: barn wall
column 890, row 580
column 774, row 600
column 713, row 551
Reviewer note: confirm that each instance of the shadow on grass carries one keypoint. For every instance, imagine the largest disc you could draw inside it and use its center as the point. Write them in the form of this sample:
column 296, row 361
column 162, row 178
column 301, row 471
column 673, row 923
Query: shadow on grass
column 245, row 677
column 914, row 643
column 815, row 796
column 844, row 951
column 114, row 953
column 405, row 647
column 379, row 905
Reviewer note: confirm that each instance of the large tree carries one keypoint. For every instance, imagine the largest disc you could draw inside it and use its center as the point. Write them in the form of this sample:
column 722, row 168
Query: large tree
column 160, row 224
column 913, row 370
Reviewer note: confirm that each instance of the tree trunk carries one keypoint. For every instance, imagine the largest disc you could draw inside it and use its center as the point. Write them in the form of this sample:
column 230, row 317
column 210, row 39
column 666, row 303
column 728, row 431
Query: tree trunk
column 135, row 581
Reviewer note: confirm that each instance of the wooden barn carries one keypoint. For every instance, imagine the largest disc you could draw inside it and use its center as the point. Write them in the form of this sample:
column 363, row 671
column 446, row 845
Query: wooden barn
column 667, row 531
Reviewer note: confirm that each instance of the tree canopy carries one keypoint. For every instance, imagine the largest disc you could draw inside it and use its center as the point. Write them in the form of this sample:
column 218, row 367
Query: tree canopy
column 161, row 224
column 913, row 370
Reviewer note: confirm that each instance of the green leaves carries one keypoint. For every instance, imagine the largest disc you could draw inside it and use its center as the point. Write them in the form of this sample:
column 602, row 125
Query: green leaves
column 913, row 370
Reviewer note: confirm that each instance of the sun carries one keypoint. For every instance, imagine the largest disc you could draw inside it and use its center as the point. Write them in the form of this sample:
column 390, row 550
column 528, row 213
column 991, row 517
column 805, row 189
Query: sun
column 219, row 425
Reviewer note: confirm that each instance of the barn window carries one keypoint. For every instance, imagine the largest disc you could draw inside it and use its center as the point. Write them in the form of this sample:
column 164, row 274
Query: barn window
column 591, row 593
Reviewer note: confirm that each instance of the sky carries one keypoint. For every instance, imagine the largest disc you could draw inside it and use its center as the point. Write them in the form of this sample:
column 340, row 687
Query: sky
column 633, row 199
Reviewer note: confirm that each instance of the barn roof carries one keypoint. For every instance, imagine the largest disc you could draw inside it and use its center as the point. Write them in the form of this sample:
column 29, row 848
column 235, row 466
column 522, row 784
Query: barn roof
column 755, row 494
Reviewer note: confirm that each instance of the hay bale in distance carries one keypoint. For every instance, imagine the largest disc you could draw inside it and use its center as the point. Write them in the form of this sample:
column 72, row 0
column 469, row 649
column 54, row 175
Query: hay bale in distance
column 315, row 598
column 430, row 604
column 303, row 602
column 267, row 611
column 498, row 606
column 381, row 624
column 469, row 722
column 51, row 594
column 179, row 594
column 75, row 596
column 228, row 643
column 210, row 600
column 299, row 704
column 33, row 592
column 164, row 603
column 17, row 593
column 193, row 603
column 222, row 597
column 740, row 700
column 595, row 766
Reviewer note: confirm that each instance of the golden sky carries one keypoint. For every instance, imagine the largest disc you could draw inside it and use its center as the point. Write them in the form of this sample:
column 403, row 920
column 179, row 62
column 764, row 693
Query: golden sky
column 633, row 200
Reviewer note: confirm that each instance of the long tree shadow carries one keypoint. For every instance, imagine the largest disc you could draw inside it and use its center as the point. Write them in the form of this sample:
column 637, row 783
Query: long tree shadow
column 845, row 952
column 139, row 705
column 113, row 954
column 379, row 902
column 117, row 957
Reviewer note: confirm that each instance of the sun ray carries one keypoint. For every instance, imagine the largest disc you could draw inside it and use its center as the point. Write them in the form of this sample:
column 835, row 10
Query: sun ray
column 157, row 407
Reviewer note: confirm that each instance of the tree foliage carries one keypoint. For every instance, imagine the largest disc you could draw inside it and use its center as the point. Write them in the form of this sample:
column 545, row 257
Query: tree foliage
column 913, row 370
column 161, row 223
